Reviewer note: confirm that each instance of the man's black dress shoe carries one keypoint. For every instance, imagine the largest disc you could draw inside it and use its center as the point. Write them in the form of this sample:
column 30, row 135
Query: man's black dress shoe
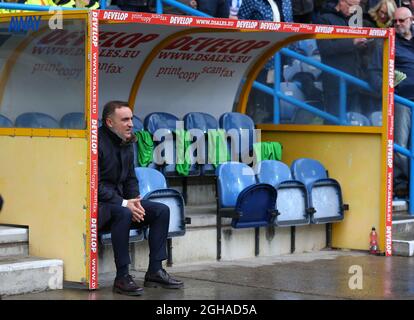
column 162, row 279
column 126, row 285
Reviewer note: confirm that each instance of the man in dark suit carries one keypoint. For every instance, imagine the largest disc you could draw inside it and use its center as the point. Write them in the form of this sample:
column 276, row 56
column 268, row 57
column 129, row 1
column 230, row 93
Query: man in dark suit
column 121, row 207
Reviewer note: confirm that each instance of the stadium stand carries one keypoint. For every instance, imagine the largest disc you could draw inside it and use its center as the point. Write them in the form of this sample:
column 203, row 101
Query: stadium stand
column 162, row 126
column 249, row 204
column 138, row 125
column 73, row 120
column 243, row 126
column 36, row 120
column 307, row 47
column 357, row 119
column 376, row 118
column 5, row 122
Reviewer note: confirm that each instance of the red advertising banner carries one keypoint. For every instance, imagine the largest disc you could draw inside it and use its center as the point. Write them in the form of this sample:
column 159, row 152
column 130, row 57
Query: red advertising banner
column 93, row 151
column 390, row 144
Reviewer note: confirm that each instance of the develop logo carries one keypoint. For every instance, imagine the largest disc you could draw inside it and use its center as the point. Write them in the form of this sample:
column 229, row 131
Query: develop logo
column 24, row 24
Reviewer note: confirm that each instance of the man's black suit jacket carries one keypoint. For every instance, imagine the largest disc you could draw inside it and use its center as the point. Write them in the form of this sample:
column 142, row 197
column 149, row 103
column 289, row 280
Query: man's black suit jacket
column 117, row 179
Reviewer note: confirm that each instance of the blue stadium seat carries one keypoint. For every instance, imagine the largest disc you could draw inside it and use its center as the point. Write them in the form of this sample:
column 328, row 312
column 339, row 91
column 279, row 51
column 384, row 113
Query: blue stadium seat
column 36, row 120
column 200, row 120
column 308, row 47
column 135, row 235
column 292, row 199
column 272, row 172
column 249, row 204
column 160, row 120
column 376, row 118
column 243, row 126
column 163, row 125
column 357, row 119
column 203, row 122
column 153, row 186
column 149, row 180
column 324, row 194
column 73, row 120
column 5, row 122
column 138, row 125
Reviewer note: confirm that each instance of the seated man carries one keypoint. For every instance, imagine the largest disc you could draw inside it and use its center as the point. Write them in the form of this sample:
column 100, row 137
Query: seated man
column 120, row 206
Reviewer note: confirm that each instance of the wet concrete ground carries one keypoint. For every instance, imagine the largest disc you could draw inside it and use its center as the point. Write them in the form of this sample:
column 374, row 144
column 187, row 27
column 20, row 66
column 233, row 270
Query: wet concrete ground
column 324, row 275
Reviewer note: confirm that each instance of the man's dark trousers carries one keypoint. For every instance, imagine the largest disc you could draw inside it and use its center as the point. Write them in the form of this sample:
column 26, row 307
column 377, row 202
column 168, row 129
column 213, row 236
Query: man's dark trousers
column 157, row 217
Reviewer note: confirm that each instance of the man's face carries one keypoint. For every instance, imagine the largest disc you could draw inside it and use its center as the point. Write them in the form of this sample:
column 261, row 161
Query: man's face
column 402, row 22
column 345, row 6
column 120, row 122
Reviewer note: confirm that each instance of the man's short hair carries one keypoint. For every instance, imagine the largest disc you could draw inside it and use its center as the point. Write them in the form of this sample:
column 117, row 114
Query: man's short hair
column 110, row 108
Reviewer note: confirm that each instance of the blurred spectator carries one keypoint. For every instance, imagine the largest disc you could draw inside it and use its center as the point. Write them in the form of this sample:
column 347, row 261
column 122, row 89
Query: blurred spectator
column 342, row 54
column 214, row 8
column 234, row 8
column 404, row 57
column 261, row 104
column 382, row 14
column 302, row 11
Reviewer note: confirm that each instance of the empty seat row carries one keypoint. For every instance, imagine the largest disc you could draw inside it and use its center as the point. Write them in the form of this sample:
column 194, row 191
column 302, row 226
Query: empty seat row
column 274, row 194
column 305, row 193
column 72, row 120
